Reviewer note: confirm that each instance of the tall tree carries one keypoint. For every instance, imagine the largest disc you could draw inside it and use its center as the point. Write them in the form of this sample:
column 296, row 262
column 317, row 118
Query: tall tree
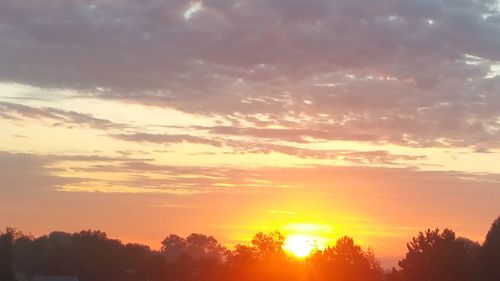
column 438, row 256
column 345, row 261
column 268, row 244
column 196, row 257
column 6, row 256
column 490, row 253
column 201, row 246
column 173, row 246
column 264, row 259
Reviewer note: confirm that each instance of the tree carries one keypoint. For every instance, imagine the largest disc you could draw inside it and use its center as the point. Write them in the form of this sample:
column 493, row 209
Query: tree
column 346, row 261
column 58, row 254
column 96, row 257
column 197, row 246
column 6, row 256
column 24, row 253
column 438, row 256
column 267, row 245
column 264, row 259
column 195, row 257
column 490, row 252
column 173, row 246
column 201, row 246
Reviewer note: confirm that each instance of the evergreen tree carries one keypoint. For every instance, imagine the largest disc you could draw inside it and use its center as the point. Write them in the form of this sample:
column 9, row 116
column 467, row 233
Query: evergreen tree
column 6, row 257
column 490, row 252
column 438, row 256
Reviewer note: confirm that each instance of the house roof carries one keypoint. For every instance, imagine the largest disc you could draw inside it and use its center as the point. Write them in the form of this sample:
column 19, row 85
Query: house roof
column 53, row 278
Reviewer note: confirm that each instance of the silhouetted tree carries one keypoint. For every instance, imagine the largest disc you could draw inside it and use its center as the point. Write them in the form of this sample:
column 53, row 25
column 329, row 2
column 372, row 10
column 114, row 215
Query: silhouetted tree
column 173, row 246
column 470, row 258
column 195, row 257
column 92, row 256
column 268, row 245
column 490, row 253
column 58, row 254
column 346, row 261
column 438, row 256
column 24, row 253
column 200, row 246
column 6, row 256
column 96, row 257
column 264, row 259
column 208, row 255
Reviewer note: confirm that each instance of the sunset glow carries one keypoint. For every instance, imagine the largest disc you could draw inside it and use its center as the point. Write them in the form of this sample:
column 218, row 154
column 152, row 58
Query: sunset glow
column 301, row 245
column 315, row 119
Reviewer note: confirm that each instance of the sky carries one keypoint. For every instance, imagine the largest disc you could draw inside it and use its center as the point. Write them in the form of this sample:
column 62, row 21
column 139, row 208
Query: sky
column 373, row 119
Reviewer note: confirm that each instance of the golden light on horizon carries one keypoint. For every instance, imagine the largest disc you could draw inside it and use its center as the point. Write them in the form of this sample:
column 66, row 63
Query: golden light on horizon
column 303, row 238
column 302, row 245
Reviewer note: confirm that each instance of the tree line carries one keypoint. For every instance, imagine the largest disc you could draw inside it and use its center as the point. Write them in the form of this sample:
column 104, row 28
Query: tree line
column 432, row 255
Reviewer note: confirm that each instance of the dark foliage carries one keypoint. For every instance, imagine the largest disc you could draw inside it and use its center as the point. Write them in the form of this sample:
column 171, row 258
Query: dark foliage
column 490, row 253
column 92, row 256
column 345, row 261
column 6, row 256
column 437, row 256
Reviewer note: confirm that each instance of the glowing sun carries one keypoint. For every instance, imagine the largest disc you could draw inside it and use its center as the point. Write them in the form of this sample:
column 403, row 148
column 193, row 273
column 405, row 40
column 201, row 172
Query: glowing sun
column 300, row 245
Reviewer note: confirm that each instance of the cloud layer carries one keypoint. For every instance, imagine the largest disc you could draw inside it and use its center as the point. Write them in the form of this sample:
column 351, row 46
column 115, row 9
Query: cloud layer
column 415, row 73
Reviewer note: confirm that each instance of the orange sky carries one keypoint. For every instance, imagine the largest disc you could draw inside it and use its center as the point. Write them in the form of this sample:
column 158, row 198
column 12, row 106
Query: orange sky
column 319, row 118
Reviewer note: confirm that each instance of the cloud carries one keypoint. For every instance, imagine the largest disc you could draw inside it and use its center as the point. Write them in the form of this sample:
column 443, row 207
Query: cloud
column 83, row 173
column 297, row 135
column 15, row 111
column 356, row 157
column 145, row 175
column 165, row 138
column 175, row 206
column 23, row 172
column 28, row 173
column 262, row 147
column 70, row 192
column 403, row 72
column 28, row 179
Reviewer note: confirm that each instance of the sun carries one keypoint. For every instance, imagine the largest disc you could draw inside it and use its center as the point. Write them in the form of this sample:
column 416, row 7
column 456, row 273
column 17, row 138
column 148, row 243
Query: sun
column 300, row 245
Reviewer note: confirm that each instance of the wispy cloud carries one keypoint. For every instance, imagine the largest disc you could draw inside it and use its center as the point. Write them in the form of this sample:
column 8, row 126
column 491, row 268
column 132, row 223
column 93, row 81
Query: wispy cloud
column 58, row 117
column 166, row 138
column 143, row 175
column 268, row 145
column 175, row 206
